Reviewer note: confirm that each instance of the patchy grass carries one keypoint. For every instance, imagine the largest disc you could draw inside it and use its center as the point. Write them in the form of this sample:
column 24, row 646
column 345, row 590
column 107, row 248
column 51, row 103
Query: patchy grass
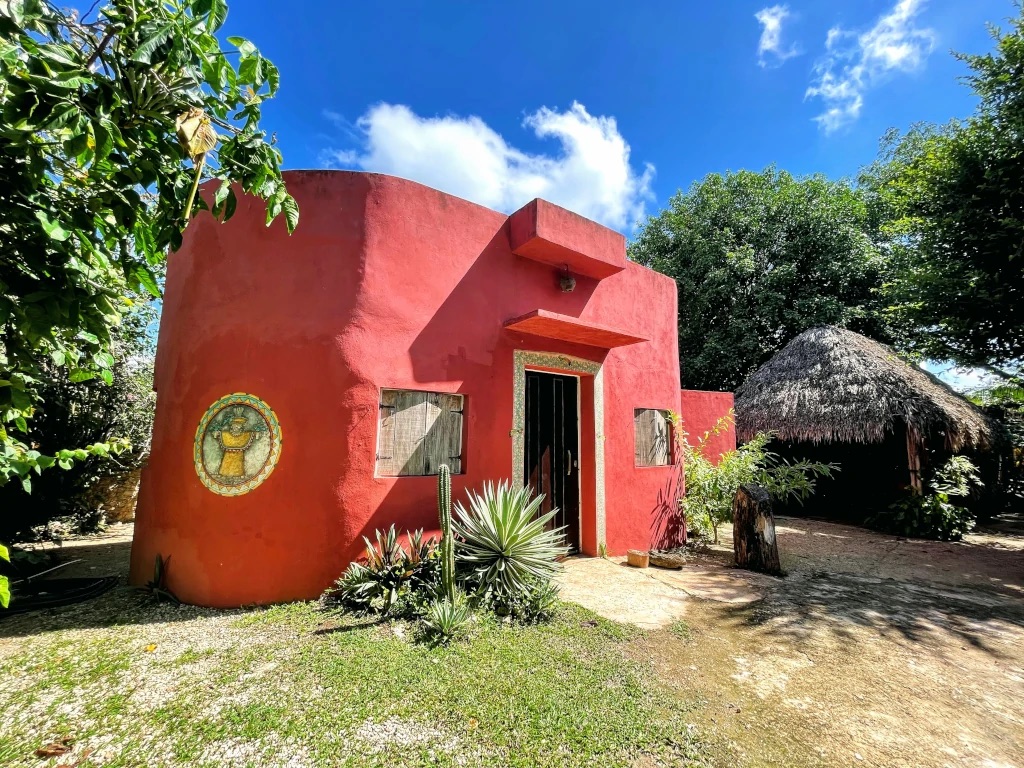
column 191, row 687
column 681, row 629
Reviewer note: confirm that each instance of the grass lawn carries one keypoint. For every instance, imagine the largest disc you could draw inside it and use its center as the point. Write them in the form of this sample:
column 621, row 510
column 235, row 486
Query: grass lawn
column 137, row 684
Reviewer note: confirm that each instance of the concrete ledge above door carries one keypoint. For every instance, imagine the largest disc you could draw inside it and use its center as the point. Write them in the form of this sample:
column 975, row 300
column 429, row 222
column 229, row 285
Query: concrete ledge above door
column 547, row 233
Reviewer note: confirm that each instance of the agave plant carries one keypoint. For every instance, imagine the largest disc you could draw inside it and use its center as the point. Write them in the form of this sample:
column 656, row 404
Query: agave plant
column 446, row 619
column 541, row 603
column 503, row 545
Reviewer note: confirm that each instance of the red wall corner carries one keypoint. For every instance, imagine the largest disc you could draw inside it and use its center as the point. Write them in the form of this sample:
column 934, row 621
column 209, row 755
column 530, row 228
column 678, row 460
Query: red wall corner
column 701, row 410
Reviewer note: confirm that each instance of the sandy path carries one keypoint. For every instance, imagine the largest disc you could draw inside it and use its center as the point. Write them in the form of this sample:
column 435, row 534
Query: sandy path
column 873, row 651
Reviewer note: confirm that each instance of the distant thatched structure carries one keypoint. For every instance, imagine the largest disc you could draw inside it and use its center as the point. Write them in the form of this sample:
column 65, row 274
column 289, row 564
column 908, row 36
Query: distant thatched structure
column 833, row 385
column 834, row 395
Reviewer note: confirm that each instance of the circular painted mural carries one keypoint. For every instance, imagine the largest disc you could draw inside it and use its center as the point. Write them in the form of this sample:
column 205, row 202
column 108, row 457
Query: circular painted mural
column 237, row 444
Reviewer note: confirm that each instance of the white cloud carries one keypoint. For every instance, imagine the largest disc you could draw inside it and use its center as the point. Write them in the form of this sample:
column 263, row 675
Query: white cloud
column 770, row 49
column 853, row 62
column 591, row 175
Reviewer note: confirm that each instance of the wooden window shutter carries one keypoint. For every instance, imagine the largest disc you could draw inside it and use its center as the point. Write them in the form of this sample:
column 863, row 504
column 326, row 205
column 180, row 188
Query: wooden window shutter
column 653, row 446
column 443, row 436
column 418, row 432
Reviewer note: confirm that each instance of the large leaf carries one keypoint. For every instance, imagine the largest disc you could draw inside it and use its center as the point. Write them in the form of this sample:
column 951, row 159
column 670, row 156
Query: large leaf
column 156, row 37
column 52, row 228
column 215, row 11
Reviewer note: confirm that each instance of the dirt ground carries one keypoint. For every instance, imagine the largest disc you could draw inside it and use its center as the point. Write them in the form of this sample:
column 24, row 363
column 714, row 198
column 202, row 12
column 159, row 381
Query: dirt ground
column 873, row 650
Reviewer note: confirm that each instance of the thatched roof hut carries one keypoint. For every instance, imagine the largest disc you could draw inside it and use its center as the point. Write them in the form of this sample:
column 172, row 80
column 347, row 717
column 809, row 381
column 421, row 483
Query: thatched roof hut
column 833, row 385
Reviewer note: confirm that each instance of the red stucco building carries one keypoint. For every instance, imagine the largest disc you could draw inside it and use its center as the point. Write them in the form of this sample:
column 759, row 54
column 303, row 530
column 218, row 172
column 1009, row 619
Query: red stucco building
column 308, row 386
column 701, row 413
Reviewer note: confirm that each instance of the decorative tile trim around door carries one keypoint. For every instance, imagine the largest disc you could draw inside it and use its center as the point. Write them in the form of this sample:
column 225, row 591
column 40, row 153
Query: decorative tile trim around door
column 521, row 360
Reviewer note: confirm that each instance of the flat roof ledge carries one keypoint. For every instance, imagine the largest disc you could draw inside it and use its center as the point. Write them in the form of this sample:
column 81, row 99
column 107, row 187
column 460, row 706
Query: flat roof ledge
column 547, row 233
column 551, row 325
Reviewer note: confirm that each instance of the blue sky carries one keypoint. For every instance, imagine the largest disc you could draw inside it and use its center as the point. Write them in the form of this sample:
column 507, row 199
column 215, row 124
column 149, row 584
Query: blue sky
column 606, row 107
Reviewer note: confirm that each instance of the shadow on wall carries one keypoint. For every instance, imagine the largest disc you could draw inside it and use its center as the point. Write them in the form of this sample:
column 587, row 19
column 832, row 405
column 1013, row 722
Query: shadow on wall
column 496, row 288
column 668, row 529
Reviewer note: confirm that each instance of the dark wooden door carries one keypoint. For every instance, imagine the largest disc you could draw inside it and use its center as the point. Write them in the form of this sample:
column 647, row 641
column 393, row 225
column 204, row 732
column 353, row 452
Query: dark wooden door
column 552, row 448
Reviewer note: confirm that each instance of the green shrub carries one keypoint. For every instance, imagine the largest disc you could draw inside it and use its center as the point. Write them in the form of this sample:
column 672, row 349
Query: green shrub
column 504, row 549
column 710, row 487
column 535, row 605
column 933, row 515
column 446, row 620
column 391, row 575
column 72, row 413
column 924, row 516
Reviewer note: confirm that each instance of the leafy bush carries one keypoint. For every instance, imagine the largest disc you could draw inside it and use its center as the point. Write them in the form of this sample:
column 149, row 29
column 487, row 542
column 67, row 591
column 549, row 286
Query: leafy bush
column 505, row 551
column 924, row 516
column 93, row 413
column 536, row 604
column 446, row 620
column 710, row 487
column 5, row 584
column 933, row 515
column 1004, row 405
column 391, row 576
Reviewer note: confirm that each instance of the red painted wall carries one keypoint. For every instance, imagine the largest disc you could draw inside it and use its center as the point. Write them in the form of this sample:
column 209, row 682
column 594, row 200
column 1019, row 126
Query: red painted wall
column 385, row 283
column 701, row 411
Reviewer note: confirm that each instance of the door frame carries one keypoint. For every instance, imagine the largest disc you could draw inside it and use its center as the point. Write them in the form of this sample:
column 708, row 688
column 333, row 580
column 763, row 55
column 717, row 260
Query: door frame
column 563, row 365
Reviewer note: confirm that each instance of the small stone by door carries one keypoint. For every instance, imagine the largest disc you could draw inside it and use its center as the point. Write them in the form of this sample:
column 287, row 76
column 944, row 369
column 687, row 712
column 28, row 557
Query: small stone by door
column 551, row 455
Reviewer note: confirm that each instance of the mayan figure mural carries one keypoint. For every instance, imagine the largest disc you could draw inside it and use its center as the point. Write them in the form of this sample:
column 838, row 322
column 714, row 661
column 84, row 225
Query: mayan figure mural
column 237, row 444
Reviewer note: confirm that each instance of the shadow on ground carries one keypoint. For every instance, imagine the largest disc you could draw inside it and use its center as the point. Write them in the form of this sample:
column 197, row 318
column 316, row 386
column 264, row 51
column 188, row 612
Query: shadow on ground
column 804, row 604
column 123, row 605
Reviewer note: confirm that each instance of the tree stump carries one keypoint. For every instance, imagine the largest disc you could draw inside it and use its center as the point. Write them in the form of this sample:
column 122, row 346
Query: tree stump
column 753, row 531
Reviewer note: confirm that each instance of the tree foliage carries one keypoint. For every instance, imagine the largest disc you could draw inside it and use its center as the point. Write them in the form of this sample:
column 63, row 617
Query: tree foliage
column 1004, row 405
column 760, row 258
column 108, row 126
column 76, row 413
column 951, row 201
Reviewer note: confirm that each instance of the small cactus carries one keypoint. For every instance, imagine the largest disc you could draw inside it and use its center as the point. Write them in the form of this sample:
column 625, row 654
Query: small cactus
column 444, row 510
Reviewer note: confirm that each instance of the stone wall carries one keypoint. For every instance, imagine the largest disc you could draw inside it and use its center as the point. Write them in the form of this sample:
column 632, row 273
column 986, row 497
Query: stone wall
column 116, row 496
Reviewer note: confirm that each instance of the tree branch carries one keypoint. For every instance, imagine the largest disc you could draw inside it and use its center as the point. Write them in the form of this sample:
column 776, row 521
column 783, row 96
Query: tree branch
column 1013, row 378
column 99, row 48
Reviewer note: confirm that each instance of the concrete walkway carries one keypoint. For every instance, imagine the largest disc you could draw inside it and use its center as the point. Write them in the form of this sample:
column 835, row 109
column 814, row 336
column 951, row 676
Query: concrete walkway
column 653, row 597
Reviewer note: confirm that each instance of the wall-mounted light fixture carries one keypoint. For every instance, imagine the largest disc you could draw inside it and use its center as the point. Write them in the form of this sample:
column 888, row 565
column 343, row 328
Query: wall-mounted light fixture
column 567, row 281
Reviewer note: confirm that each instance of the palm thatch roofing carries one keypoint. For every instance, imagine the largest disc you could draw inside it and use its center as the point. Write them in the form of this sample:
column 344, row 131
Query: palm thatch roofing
column 833, row 385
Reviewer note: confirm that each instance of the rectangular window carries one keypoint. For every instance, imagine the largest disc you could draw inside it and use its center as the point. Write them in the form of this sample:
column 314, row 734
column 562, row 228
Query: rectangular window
column 653, row 432
column 419, row 431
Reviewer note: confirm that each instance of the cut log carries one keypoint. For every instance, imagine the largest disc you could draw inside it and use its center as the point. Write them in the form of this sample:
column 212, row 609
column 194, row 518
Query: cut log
column 673, row 560
column 637, row 558
column 753, row 531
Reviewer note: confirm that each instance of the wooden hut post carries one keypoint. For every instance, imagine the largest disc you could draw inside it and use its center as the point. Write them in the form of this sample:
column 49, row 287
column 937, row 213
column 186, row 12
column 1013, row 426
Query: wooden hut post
column 914, row 459
column 753, row 531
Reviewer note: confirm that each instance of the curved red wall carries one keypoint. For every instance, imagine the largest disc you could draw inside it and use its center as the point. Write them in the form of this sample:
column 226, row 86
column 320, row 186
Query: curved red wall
column 385, row 283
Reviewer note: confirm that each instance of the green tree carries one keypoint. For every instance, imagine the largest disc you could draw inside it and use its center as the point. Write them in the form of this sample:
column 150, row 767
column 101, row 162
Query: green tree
column 950, row 200
column 86, row 413
column 760, row 258
column 108, row 127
